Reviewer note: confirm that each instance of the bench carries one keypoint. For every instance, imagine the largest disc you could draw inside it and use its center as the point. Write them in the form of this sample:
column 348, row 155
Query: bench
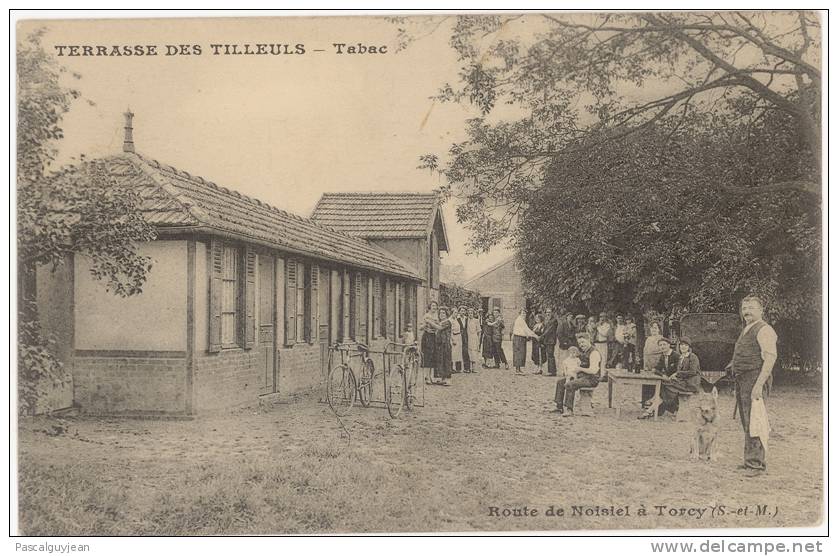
column 584, row 402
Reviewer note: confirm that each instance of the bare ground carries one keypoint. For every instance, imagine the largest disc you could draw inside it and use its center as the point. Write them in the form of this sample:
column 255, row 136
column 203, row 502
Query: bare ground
column 487, row 441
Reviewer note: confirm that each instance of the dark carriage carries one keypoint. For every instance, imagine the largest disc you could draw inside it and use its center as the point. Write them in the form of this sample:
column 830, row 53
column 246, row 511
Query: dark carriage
column 713, row 336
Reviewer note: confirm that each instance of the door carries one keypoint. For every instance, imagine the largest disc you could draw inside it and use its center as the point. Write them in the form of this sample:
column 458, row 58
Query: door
column 324, row 318
column 266, row 333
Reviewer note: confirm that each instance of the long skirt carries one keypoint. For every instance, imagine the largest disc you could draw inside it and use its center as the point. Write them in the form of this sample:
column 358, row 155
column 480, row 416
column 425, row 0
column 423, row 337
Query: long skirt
column 443, row 366
column 538, row 355
column 519, row 351
column 428, row 350
column 487, row 346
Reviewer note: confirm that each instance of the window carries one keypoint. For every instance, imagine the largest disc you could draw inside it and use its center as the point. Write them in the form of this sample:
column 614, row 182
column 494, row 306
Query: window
column 232, row 287
column 229, row 296
column 298, row 302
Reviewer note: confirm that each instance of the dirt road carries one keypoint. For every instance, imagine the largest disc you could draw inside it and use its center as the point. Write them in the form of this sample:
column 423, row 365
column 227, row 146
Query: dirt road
column 478, row 454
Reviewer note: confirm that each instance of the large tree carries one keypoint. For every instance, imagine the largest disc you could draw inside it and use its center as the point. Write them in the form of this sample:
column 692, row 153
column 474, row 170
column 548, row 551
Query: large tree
column 652, row 160
column 63, row 210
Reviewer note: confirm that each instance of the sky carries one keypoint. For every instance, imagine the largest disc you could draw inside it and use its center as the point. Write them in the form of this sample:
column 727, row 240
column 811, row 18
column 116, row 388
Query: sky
column 282, row 128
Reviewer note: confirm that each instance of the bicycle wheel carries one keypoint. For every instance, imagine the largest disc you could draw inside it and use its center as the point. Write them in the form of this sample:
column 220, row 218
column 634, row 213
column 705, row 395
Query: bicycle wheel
column 341, row 389
column 395, row 391
column 411, row 375
column 365, row 383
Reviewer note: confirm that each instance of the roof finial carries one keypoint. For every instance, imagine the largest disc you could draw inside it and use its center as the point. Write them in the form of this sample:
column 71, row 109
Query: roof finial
column 128, row 142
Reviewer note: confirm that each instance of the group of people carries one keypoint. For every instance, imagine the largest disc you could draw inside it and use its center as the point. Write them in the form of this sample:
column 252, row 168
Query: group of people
column 450, row 342
column 754, row 356
column 578, row 350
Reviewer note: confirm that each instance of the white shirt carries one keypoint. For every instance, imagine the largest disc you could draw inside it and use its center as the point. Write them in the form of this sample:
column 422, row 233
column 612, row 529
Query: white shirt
column 520, row 327
column 620, row 333
column 766, row 338
column 570, row 365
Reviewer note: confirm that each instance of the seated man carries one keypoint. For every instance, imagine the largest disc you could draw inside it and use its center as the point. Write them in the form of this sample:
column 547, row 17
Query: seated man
column 667, row 365
column 585, row 375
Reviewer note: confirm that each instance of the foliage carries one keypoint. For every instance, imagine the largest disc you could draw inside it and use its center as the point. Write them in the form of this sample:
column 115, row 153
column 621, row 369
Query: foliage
column 652, row 161
column 75, row 209
column 452, row 295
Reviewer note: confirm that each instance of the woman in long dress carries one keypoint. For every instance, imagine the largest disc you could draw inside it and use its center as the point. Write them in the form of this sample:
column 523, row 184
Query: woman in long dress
column 430, row 323
column 473, row 339
column 442, row 370
column 487, row 343
column 521, row 332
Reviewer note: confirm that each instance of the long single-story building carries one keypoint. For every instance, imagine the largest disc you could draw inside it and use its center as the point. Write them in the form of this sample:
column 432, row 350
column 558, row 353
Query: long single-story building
column 243, row 300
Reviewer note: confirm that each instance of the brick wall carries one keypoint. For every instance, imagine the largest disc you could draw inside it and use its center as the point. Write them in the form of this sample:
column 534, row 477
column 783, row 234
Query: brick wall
column 226, row 379
column 299, row 369
column 129, row 384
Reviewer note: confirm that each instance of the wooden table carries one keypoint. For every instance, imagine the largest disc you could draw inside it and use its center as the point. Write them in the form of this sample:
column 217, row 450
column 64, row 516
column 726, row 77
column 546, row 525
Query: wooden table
column 621, row 384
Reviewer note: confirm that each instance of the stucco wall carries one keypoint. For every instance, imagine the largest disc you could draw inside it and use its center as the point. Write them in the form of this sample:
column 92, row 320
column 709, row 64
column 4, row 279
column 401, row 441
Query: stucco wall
column 153, row 320
column 408, row 250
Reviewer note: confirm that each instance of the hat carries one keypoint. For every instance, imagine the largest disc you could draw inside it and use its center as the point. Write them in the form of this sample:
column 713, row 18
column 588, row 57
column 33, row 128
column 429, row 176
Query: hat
column 685, row 340
column 580, row 316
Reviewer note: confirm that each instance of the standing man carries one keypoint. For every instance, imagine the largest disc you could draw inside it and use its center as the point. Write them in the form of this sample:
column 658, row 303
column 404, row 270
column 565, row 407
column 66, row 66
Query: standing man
column 619, row 344
column 565, row 335
column 498, row 327
column 604, row 336
column 548, row 340
column 463, row 319
column 753, row 361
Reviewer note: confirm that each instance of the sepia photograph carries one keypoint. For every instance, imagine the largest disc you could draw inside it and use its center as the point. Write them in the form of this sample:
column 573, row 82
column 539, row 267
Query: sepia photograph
column 418, row 273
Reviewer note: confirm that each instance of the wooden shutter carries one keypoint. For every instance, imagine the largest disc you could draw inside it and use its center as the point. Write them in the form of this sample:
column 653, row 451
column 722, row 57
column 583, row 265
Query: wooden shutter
column 376, row 307
column 215, row 269
column 357, row 314
column 290, row 301
column 303, row 284
column 314, row 303
column 249, row 319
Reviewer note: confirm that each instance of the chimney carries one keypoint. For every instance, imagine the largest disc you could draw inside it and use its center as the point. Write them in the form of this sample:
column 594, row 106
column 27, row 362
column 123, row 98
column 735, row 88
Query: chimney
column 128, row 143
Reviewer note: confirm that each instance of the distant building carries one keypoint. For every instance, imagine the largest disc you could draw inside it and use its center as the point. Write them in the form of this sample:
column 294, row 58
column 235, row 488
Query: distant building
column 500, row 286
column 407, row 225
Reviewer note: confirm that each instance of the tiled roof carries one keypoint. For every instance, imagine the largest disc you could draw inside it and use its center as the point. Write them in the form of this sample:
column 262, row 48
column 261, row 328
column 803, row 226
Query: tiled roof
column 174, row 198
column 379, row 215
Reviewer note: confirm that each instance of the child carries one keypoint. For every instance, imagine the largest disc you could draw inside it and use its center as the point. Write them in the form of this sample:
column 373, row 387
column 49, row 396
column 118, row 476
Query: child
column 571, row 363
column 408, row 337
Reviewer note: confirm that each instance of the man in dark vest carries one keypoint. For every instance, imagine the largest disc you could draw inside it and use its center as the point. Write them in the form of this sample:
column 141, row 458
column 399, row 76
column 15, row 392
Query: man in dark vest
column 753, row 360
column 587, row 376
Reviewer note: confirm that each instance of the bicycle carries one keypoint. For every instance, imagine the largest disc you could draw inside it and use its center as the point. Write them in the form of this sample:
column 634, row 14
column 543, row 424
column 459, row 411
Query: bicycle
column 343, row 388
column 401, row 386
